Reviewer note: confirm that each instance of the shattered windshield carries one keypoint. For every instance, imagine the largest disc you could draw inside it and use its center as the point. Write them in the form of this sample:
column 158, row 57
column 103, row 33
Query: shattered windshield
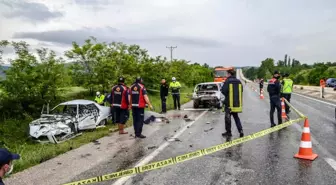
column 207, row 87
column 65, row 109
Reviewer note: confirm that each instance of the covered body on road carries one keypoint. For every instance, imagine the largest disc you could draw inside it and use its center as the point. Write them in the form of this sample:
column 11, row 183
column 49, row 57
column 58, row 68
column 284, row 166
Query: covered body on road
column 67, row 119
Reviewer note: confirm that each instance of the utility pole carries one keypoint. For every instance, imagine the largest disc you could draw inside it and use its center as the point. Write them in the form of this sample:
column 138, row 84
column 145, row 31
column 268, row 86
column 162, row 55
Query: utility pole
column 171, row 52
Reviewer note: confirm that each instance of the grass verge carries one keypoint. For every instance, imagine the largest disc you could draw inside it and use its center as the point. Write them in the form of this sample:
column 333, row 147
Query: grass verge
column 14, row 135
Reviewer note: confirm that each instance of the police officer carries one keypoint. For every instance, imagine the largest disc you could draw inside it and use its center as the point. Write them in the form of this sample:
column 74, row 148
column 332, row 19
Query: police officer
column 120, row 104
column 100, row 98
column 138, row 99
column 163, row 94
column 273, row 89
column 232, row 89
column 261, row 85
column 175, row 86
column 6, row 163
column 286, row 89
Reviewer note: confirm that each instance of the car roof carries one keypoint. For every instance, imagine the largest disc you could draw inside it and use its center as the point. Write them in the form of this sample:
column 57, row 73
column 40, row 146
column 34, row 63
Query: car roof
column 76, row 102
column 209, row 83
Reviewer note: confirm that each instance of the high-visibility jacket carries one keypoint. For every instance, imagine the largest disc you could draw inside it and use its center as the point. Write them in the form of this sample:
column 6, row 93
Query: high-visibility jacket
column 100, row 99
column 233, row 92
column 322, row 83
column 175, row 87
column 287, row 86
column 119, row 96
column 138, row 92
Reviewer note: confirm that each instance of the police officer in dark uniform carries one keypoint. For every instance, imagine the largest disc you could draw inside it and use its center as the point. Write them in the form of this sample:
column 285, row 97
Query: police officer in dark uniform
column 6, row 163
column 261, row 85
column 232, row 89
column 164, row 88
column 138, row 99
column 274, row 88
column 120, row 104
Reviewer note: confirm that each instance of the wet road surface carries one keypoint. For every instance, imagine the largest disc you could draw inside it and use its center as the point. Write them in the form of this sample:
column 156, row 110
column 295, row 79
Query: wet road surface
column 266, row 160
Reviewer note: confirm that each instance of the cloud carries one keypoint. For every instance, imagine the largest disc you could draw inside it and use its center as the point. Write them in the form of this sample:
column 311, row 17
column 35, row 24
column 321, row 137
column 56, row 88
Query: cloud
column 31, row 11
column 217, row 32
column 109, row 34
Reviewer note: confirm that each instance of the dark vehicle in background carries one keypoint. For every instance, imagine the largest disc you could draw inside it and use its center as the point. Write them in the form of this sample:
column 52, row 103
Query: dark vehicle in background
column 331, row 82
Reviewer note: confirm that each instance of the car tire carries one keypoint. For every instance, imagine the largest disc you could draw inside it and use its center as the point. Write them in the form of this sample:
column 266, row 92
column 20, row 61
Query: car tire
column 196, row 104
column 219, row 106
column 102, row 122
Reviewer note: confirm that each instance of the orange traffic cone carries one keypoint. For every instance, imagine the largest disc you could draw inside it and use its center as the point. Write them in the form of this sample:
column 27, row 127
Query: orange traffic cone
column 283, row 111
column 262, row 94
column 306, row 150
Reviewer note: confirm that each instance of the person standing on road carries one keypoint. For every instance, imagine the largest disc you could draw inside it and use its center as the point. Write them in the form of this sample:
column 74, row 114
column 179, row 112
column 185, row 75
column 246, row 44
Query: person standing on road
column 261, row 85
column 286, row 90
column 138, row 99
column 273, row 89
column 163, row 94
column 100, row 98
column 232, row 89
column 120, row 104
column 322, row 84
column 175, row 86
column 6, row 163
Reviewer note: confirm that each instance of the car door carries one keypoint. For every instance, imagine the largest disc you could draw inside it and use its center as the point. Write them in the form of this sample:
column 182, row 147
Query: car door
column 86, row 118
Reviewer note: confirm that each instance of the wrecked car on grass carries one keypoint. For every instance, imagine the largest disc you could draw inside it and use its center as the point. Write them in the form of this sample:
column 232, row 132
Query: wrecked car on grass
column 67, row 119
column 208, row 94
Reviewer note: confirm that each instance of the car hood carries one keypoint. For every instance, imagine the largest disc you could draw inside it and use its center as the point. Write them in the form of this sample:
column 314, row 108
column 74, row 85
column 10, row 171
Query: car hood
column 50, row 124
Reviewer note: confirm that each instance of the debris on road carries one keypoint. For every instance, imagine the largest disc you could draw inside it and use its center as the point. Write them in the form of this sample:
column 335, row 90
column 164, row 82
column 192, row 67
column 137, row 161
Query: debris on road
column 208, row 129
column 151, row 147
column 96, row 142
column 190, row 146
column 208, row 122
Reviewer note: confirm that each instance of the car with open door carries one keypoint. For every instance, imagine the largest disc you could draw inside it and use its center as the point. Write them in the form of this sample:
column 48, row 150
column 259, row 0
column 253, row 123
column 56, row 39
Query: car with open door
column 67, row 120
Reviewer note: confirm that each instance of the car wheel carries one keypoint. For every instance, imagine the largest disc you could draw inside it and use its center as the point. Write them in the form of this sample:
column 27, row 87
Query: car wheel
column 196, row 104
column 102, row 122
column 219, row 106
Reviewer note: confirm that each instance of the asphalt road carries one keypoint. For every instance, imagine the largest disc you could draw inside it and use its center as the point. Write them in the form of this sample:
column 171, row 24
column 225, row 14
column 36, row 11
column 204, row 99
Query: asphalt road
column 266, row 160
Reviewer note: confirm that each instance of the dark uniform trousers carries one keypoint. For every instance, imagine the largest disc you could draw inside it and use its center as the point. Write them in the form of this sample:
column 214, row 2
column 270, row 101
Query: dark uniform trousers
column 176, row 98
column 287, row 97
column 138, row 119
column 228, row 120
column 275, row 104
column 163, row 104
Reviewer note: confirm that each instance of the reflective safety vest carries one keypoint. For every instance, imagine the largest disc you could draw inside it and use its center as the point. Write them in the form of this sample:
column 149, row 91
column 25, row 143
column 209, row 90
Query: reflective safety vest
column 322, row 83
column 100, row 99
column 287, row 87
column 235, row 97
column 119, row 96
column 175, row 86
column 137, row 92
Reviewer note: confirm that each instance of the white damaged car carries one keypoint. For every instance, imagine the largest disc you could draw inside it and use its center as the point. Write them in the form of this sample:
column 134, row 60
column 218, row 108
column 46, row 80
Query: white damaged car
column 67, row 119
column 208, row 94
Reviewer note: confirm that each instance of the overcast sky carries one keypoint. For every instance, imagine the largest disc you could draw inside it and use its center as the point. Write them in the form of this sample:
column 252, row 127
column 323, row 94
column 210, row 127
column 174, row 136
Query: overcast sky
column 218, row 32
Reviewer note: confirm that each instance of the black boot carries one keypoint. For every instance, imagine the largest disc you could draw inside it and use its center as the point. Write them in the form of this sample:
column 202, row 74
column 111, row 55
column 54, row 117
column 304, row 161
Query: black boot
column 227, row 134
column 241, row 133
column 141, row 136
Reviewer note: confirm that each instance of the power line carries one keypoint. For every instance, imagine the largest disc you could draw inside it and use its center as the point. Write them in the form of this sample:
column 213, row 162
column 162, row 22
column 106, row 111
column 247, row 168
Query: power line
column 171, row 52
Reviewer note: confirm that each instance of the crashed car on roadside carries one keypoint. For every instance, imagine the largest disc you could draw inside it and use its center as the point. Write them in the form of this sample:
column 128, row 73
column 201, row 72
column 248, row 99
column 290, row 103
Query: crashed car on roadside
column 208, row 94
column 67, row 119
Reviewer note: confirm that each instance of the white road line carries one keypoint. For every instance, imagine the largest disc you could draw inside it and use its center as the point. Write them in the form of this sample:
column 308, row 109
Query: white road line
column 331, row 162
column 150, row 157
column 331, row 104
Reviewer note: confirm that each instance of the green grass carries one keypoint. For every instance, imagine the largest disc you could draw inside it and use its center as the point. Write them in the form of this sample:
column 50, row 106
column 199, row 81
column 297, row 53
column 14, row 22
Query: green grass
column 14, row 134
